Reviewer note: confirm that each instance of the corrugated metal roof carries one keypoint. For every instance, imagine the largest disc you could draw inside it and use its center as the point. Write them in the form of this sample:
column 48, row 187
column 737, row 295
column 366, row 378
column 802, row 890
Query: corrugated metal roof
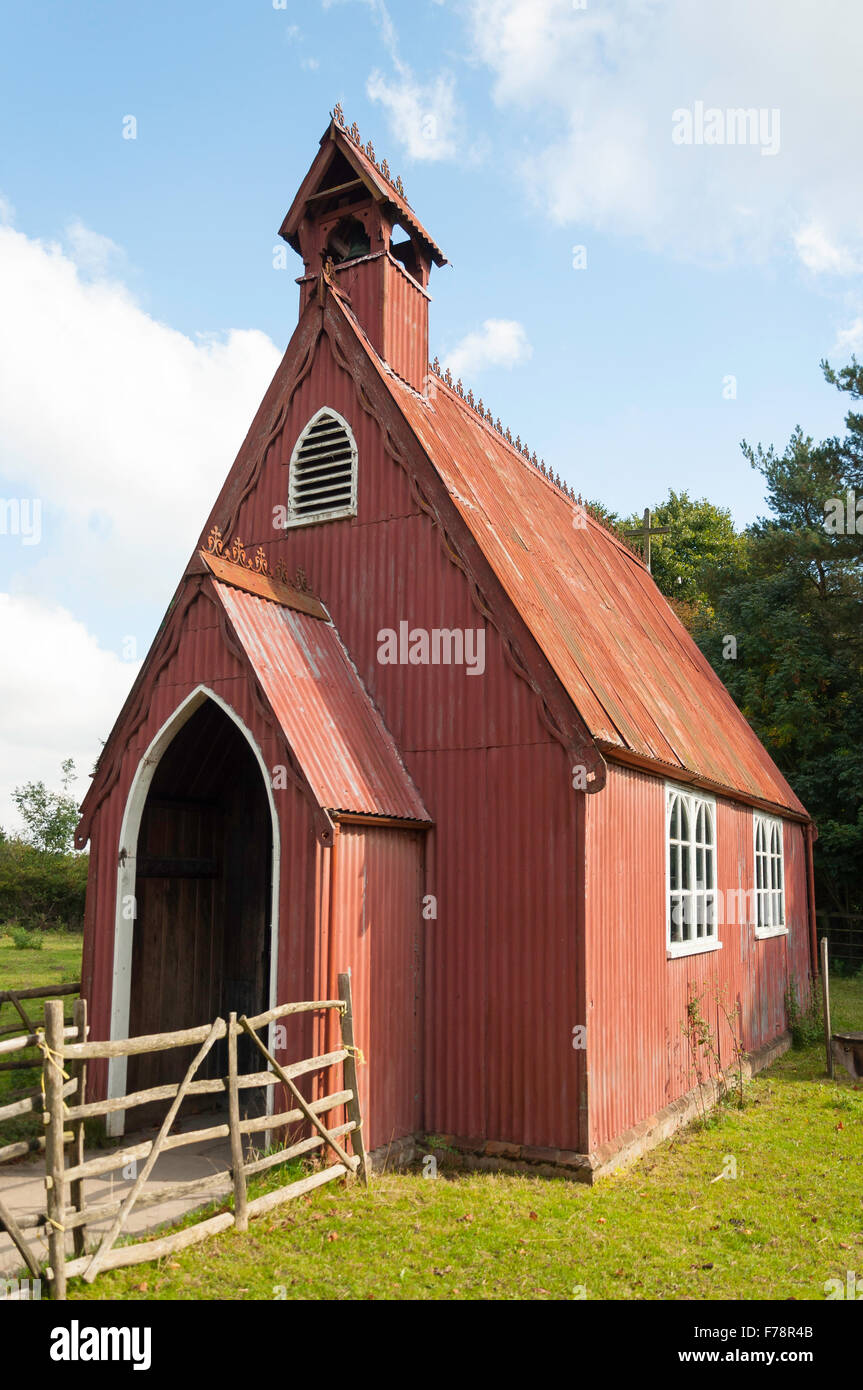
column 338, row 737
column 632, row 670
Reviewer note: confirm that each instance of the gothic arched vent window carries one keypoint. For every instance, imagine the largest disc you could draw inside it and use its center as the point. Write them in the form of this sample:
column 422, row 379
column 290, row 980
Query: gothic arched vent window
column 323, row 474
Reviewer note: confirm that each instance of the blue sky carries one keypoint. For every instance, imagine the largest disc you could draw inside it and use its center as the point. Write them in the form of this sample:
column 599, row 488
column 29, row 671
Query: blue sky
column 143, row 315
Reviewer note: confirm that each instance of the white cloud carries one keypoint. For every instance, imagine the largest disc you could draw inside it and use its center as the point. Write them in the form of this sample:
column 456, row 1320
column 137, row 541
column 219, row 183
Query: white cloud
column 123, row 427
column 423, row 116
column 819, row 254
column 7, row 212
column 601, row 84
column 850, row 339
column 124, row 430
column 310, row 64
column 59, row 692
column 91, row 252
column 499, row 343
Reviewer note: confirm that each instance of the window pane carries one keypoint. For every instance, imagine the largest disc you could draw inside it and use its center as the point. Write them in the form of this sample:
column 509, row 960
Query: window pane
column 686, row 866
column 675, row 919
column 708, row 858
column 674, row 830
column 699, row 868
column 710, row 915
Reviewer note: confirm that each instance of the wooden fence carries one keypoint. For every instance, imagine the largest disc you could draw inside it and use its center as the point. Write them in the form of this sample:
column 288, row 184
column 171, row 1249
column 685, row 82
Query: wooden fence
column 64, row 1077
column 20, row 999
column 844, row 932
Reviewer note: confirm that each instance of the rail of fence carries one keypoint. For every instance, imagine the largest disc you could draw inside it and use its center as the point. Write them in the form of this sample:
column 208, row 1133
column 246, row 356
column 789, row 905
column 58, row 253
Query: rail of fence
column 19, row 999
column 64, row 1076
column 844, row 932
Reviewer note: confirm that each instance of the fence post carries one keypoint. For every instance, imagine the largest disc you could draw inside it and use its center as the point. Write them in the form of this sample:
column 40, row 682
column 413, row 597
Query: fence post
column 350, row 1075
column 76, row 1189
column 825, row 994
column 241, row 1217
column 52, row 1073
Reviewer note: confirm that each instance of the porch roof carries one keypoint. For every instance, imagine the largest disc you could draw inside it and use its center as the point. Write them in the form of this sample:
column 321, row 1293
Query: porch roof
column 337, row 735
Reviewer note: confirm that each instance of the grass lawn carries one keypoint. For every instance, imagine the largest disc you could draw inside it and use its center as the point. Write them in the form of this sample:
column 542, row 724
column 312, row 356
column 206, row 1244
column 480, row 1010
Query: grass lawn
column 666, row 1229
column 58, row 962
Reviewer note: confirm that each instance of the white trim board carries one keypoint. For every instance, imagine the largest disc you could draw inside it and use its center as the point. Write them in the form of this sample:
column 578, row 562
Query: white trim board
column 121, row 983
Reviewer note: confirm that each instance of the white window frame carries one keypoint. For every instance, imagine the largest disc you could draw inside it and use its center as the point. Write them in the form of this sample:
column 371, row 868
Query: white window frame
column 703, row 894
column 768, row 920
column 315, row 518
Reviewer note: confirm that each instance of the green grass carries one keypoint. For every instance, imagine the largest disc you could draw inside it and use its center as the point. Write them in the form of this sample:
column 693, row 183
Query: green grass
column 57, row 961
column 665, row 1229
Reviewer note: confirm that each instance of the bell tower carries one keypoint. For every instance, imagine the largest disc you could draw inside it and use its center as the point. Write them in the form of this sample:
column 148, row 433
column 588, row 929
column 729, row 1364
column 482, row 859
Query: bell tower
column 352, row 215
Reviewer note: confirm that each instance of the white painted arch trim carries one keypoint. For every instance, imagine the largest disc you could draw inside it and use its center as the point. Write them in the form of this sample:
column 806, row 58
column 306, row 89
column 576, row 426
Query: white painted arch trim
column 338, row 514
column 124, row 922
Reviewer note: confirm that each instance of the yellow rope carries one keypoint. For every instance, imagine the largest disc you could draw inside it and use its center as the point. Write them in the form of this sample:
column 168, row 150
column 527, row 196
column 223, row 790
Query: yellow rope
column 356, row 1052
column 55, row 1058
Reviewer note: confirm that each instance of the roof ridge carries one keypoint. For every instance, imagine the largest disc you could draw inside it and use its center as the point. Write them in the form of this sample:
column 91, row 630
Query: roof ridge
column 467, row 399
column 368, row 150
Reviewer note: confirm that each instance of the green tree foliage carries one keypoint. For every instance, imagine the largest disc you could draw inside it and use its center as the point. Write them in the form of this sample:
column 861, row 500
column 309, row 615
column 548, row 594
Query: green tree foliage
column 602, row 513
column 39, row 889
column 794, row 604
column 49, row 817
column 43, row 883
column 700, row 547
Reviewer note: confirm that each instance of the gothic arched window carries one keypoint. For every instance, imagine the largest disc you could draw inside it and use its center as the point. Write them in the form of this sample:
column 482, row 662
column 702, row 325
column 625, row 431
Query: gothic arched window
column 323, row 475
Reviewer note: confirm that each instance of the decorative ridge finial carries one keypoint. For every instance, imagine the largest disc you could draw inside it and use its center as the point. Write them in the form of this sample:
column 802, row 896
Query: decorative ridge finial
column 483, row 411
column 353, row 133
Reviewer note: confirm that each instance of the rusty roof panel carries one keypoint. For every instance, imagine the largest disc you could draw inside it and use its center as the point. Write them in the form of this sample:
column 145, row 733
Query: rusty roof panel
column 346, row 753
column 630, row 667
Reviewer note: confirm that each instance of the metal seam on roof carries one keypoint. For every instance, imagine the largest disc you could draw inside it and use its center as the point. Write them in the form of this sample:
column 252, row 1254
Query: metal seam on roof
column 346, row 752
column 638, row 670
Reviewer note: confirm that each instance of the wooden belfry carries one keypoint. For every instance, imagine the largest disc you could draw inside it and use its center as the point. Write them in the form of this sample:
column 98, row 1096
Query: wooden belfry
column 645, row 531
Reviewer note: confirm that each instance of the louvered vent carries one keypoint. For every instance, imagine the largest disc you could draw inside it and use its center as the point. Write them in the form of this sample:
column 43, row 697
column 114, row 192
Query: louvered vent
column 323, row 481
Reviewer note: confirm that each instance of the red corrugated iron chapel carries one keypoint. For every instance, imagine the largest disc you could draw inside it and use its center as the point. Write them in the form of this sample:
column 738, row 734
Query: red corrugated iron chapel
column 414, row 712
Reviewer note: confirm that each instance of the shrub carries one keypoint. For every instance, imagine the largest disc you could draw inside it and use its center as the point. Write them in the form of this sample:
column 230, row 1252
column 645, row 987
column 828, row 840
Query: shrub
column 24, row 940
column 41, row 889
column 805, row 1022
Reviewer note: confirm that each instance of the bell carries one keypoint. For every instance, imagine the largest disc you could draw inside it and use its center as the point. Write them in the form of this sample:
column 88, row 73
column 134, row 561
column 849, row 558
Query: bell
column 358, row 247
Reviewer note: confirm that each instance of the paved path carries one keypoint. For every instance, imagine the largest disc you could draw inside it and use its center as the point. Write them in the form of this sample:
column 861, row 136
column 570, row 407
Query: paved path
column 22, row 1187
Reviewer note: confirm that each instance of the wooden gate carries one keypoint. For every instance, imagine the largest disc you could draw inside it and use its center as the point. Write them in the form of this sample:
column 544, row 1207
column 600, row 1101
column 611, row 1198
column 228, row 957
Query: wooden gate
column 62, row 1058
column 27, row 1051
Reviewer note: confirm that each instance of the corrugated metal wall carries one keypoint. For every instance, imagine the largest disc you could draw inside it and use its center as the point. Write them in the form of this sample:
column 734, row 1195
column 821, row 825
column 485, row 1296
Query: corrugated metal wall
column 637, row 998
column 505, row 978
column 405, row 326
column 377, row 934
column 502, row 981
